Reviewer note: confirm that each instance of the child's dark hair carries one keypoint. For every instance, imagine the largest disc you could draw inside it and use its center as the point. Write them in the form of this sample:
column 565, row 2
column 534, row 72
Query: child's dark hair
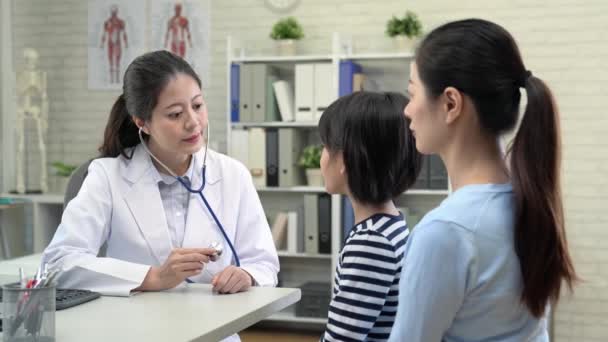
column 143, row 82
column 379, row 151
column 482, row 60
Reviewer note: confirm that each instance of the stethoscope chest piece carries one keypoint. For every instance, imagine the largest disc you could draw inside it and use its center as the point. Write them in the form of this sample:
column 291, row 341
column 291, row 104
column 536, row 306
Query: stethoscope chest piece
column 219, row 249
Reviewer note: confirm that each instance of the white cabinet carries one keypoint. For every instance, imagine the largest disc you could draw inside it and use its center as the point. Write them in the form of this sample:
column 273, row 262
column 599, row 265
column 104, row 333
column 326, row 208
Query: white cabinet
column 42, row 216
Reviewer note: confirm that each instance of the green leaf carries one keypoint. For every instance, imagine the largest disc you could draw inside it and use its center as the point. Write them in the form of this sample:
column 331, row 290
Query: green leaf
column 62, row 169
column 287, row 28
column 311, row 157
column 409, row 25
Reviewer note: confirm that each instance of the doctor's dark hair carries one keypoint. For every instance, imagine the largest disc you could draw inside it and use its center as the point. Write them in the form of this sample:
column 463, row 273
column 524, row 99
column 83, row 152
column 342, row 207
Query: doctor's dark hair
column 144, row 80
column 378, row 148
column 482, row 60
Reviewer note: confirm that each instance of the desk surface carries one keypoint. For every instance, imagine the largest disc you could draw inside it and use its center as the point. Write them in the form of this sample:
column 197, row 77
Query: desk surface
column 189, row 313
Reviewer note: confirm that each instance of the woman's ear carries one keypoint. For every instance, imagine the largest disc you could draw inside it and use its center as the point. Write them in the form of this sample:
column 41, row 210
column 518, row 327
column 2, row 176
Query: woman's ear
column 453, row 102
column 140, row 124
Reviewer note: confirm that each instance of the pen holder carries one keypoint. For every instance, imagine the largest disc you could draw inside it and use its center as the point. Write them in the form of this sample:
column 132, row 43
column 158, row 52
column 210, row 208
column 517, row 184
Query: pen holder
column 29, row 314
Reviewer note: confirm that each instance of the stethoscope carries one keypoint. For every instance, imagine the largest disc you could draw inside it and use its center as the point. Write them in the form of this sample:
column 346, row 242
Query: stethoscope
column 215, row 245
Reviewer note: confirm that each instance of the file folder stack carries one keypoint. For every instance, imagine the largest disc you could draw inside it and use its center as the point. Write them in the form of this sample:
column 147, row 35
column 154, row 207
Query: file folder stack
column 314, row 90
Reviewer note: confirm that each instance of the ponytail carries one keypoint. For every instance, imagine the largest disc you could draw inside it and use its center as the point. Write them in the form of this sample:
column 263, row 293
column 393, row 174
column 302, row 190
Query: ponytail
column 540, row 236
column 120, row 132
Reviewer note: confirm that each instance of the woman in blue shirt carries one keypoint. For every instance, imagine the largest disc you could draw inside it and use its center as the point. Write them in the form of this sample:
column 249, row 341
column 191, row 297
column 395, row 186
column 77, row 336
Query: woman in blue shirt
column 486, row 263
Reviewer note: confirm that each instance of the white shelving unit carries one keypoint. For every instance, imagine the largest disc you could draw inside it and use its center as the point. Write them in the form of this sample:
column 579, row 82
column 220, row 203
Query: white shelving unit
column 281, row 124
column 285, row 254
column 302, row 189
column 424, row 192
column 46, row 210
column 321, row 266
column 292, row 318
column 378, row 56
column 282, row 59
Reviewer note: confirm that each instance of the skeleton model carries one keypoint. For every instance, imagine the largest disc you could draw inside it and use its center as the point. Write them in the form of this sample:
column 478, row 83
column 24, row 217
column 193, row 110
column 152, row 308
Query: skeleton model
column 31, row 104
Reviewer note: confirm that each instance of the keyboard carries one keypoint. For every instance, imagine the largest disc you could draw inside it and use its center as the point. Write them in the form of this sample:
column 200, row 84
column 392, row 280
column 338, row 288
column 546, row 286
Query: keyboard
column 66, row 298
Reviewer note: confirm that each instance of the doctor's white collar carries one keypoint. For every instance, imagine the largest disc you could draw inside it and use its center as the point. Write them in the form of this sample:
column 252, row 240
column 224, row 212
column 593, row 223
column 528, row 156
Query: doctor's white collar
column 163, row 177
column 141, row 163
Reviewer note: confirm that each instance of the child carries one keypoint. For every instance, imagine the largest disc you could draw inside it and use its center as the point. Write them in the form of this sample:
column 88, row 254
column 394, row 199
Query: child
column 369, row 155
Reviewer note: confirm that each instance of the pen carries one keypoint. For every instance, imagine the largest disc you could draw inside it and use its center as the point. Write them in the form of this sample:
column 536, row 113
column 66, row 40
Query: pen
column 22, row 281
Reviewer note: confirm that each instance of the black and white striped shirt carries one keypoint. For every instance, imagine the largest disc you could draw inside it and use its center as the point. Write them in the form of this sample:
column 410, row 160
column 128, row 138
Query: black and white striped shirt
column 366, row 287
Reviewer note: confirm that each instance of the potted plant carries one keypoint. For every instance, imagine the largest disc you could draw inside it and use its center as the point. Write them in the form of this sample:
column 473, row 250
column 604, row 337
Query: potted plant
column 285, row 32
column 310, row 160
column 404, row 30
column 62, row 172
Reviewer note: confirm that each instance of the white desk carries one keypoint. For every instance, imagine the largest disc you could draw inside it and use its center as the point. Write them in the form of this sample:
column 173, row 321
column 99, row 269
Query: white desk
column 189, row 313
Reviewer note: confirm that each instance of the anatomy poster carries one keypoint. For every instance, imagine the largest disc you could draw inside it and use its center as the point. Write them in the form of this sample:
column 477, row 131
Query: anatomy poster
column 182, row 27
column 116, row 35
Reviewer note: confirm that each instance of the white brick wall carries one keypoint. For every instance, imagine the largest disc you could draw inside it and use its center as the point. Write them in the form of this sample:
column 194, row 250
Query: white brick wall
column 563, row 42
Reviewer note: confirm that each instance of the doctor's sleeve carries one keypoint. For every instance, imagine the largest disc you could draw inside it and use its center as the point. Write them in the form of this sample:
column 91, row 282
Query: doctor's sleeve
column 254, row 243
column 437, row 263
column 84, row 228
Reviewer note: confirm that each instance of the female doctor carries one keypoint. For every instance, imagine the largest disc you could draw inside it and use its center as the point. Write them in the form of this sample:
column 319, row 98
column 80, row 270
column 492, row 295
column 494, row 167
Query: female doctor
column 158, row 233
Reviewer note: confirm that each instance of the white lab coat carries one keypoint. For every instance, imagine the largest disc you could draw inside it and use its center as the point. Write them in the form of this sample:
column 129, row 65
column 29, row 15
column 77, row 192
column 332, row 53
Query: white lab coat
column 119, row 203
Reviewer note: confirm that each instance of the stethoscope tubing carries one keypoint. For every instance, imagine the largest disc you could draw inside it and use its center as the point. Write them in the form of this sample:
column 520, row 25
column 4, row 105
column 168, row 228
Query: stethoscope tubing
column 198, row 191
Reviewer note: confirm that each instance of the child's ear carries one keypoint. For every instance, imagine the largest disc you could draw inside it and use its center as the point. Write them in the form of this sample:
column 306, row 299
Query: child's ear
column 453, row 104
column 341, row 161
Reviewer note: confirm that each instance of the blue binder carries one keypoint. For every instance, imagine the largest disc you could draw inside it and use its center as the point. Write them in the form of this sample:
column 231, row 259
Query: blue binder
column 347, row 70
column 235, row 70
column 348, row 218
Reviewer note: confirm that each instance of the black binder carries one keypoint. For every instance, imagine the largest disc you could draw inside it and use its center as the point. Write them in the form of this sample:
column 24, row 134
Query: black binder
column 325, row 224
column 272, row 157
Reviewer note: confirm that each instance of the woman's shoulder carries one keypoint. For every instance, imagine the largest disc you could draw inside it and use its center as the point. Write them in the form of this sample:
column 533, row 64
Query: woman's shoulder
column 469, row 208
column 468, row 217
column 109, row 163
column 119, row 165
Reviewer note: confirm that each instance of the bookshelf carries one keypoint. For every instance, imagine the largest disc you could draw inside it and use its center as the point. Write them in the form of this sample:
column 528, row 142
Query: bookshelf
column 46, row 210
column 277, row 124
column 387, row 71
column 290, row 317
column 404, row 56
column 285, row 254
column 302, row 189
column 282, row 59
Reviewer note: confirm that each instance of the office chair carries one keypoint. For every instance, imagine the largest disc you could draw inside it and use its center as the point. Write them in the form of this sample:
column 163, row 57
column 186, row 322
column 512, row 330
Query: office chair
column 75, row 182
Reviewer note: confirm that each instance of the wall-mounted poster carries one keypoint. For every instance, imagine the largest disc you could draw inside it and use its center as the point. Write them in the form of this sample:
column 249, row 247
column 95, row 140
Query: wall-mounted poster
column 116, row 37
column 182, row 27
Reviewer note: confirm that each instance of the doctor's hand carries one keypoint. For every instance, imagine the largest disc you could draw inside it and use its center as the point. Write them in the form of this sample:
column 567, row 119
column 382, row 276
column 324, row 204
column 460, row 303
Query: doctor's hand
column 181, row 264
column 232, row 280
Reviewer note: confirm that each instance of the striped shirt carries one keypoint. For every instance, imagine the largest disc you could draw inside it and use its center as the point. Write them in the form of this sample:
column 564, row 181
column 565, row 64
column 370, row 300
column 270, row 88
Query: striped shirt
column 366, row 286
